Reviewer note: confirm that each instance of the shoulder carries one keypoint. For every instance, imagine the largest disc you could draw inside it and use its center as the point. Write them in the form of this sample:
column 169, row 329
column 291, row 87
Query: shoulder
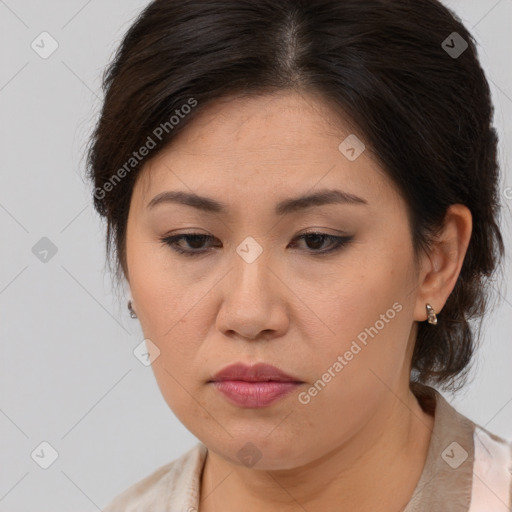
column 468, row 466
column 492, row 472
column 168, row 487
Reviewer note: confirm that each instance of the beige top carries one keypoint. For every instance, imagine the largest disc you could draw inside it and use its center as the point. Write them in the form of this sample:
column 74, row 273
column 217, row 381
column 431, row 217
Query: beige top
column 467, row 469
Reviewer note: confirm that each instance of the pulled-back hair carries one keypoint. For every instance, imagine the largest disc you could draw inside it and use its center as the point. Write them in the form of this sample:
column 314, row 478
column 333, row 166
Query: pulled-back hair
column 397, row 71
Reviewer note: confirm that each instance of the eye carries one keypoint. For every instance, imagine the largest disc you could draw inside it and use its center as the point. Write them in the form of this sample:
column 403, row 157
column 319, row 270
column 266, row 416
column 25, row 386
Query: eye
column 195, row 242
column 316, row 240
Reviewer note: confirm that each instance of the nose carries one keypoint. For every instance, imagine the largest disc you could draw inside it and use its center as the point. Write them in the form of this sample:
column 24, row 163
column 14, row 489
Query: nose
column 253, row 304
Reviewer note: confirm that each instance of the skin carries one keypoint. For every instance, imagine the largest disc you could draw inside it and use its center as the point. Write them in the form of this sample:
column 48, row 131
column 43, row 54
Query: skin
column 362, row 441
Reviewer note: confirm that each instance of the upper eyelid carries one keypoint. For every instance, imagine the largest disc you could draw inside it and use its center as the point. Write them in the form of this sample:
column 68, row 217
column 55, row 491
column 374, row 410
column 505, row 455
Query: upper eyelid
column 311, row 231
column 211, row 237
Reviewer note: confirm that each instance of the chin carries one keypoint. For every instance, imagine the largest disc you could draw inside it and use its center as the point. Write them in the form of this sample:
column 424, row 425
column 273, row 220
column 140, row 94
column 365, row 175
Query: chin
column 259, row 452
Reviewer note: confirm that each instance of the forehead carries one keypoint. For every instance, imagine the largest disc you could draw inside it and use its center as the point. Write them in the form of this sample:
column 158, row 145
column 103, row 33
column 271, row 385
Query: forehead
column 259, row 146
column 284, row 124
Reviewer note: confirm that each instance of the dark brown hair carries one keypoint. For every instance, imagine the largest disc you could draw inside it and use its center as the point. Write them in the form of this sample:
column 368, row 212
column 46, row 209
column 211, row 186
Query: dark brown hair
column 389, row 65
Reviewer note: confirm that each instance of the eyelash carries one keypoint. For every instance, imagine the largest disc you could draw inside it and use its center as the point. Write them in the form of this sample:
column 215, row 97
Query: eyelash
column 171, row 241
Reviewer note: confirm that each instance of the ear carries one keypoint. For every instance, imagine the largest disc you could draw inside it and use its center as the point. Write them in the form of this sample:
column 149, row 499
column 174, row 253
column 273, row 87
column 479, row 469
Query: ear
column 440, row 268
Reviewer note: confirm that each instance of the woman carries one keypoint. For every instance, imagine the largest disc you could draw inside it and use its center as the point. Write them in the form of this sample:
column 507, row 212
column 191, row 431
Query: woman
column 302, row 197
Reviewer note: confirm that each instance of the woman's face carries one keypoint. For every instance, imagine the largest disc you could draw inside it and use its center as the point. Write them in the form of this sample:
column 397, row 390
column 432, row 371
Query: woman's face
column 257, row 290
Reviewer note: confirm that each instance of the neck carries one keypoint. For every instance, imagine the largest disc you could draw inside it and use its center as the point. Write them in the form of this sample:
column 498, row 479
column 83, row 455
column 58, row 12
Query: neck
column 360, row 474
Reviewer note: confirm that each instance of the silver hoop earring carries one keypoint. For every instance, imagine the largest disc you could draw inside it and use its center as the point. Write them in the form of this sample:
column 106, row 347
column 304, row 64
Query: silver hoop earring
column 431, row 315
column 130, row 309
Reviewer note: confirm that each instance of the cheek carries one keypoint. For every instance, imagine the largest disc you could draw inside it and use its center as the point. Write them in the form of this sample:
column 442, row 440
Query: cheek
column 361, row 289
column 155, row 289
column 182, row 391
column 368, row 312
column 170, row 309
column 354, row 368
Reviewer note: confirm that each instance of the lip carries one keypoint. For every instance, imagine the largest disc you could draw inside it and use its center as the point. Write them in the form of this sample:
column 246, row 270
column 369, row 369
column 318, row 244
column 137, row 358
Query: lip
column 254, row 386
column 260, row 372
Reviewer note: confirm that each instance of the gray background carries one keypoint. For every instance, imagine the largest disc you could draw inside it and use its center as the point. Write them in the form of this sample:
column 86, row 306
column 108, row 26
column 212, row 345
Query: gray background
column 68, row 374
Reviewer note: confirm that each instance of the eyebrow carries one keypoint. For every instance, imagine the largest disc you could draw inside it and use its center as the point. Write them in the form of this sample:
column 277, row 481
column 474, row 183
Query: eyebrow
column 284, row 207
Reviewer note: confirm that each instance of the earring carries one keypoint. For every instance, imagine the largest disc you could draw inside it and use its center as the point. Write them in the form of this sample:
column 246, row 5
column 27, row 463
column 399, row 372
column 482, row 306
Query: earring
column 130, row 309
column 431, row 315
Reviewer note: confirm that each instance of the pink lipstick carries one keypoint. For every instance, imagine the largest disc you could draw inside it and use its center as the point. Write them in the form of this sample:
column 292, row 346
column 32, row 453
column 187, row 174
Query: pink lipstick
column 254, row 386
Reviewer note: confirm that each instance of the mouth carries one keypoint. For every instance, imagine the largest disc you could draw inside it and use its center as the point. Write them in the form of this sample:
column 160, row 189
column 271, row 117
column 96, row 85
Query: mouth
column 260, row 372
column 254, row 386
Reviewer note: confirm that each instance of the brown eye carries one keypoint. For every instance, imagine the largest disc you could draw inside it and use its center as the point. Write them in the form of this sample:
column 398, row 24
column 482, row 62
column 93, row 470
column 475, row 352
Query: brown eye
column 196, row 241
column 315, row 241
